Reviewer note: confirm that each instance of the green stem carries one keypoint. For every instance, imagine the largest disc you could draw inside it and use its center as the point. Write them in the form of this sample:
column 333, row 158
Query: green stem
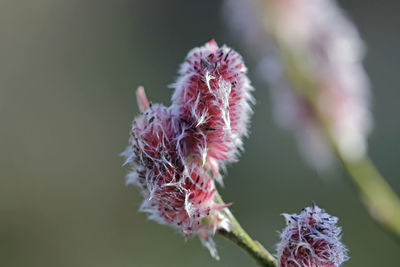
column 377, row 195
column 236, row 234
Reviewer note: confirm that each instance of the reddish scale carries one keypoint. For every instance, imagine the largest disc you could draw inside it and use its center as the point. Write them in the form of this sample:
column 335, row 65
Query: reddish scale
column 170, row 202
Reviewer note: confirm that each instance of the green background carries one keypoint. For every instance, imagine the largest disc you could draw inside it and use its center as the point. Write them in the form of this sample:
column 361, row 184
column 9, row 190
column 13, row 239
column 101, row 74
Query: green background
column 68, row 71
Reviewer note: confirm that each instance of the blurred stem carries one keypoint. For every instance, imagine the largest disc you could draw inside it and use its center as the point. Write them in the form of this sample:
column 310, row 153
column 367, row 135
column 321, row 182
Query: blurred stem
column 376, row 194
column 237, row 235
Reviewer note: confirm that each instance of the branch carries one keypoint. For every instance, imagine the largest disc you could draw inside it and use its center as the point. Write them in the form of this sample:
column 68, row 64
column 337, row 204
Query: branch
column 239, row 236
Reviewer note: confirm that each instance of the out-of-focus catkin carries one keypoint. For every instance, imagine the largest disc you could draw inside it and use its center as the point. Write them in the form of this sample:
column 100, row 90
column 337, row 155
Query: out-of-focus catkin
column 328, row 53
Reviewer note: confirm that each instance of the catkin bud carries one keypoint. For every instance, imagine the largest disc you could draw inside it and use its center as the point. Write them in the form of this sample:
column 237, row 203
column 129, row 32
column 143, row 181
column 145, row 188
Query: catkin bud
column 311, row 239
column 176, row 151
column 212, row 100
column 176, row 193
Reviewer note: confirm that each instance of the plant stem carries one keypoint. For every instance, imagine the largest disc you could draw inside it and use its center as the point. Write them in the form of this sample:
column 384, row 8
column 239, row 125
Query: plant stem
column 377, row 195
column 238, row 235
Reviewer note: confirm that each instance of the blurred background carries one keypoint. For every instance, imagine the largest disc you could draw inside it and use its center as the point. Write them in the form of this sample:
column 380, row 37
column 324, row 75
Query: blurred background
column 68, row 72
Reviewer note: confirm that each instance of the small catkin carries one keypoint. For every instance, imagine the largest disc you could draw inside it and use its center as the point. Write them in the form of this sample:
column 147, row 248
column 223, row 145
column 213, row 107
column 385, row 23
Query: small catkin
column 311, row 239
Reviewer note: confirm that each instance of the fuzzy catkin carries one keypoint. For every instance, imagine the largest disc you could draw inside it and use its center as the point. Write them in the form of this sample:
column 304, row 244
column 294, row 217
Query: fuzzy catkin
column 212, row 99
column 176, row 152
column 311, row 239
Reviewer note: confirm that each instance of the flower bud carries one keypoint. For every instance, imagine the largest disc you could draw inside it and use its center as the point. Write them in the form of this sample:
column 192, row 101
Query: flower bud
column 176, row 151
column 311, row 239
column 175, row 192
column 212, row 100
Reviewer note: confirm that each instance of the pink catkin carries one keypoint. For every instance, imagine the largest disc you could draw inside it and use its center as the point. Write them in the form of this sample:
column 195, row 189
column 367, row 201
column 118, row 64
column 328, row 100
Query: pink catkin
column 176, row 193
column 212, row 99
column 168, row 183
column 176, row 151
column 311, row 239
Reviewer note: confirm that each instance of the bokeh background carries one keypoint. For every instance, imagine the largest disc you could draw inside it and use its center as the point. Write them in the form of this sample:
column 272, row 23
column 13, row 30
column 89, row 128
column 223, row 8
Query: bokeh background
column 68, row 71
